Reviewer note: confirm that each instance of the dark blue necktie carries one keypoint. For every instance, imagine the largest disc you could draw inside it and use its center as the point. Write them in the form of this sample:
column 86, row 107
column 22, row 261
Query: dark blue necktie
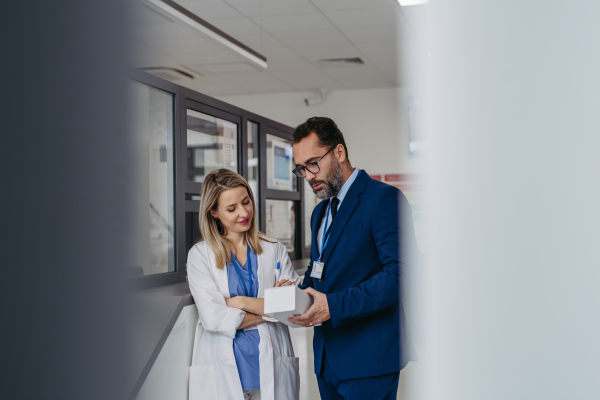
column 334, row 206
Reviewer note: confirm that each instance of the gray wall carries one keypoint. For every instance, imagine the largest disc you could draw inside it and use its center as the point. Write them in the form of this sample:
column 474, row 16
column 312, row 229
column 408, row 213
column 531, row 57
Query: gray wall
column 64, row 200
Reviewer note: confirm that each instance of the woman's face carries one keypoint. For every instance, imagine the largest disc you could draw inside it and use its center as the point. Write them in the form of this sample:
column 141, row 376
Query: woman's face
column 234, row 209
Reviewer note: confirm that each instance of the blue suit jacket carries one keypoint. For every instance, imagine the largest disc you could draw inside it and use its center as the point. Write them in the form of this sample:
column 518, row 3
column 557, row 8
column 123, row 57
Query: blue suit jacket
column 371, row 242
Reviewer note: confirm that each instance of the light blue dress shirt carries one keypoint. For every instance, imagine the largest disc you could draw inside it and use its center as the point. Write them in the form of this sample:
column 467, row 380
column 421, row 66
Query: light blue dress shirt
column 245, row 344
column 340, row 196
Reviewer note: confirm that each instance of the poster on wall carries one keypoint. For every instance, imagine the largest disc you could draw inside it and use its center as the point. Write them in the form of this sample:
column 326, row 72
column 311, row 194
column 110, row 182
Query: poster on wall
column 280, row 158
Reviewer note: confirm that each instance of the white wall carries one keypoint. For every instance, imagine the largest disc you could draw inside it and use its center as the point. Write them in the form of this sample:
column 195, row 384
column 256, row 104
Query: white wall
column 373, row 122
column 169, row 377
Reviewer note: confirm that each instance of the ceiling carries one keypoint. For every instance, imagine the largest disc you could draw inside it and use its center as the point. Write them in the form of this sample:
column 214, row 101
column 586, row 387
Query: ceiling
column 292, row 34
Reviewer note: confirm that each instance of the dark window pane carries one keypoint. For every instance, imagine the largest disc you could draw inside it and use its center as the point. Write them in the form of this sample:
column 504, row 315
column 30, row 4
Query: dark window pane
column 211, row 144
column 153, row 220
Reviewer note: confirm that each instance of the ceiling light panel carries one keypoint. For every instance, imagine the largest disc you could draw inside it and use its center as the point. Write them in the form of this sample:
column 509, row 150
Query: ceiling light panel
column 185, row 17
column 261, row 41
column 238, row 27
column 280, row 53
column 211, row 10
column 405, row 3
column 219, row 56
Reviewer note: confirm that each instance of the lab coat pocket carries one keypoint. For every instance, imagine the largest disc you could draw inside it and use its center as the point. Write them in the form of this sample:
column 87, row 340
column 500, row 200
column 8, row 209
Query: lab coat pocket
column 203, row 384
column 287, row 378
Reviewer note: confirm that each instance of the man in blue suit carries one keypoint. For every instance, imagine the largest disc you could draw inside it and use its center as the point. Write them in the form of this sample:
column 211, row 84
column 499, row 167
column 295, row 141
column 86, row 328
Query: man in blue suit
column 362, row 241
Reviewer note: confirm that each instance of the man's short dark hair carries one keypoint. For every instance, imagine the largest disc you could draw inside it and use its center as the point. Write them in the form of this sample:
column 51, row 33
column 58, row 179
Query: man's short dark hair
column 327, row 131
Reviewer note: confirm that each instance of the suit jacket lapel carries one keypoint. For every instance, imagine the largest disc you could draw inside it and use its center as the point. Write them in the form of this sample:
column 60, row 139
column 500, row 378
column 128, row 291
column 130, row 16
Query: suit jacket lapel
column 345, row 212
column 316, row 223
column 341, row 219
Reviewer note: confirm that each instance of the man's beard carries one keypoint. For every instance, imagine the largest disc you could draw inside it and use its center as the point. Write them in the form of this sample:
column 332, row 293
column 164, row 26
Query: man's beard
column 333, row 183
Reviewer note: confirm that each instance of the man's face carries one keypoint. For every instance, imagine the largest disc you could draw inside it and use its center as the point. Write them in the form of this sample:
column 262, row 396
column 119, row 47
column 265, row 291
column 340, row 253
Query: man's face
column 328, row 181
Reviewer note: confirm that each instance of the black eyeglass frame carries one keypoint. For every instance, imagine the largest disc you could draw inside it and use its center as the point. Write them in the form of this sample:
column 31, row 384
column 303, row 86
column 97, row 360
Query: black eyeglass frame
column 300, row 172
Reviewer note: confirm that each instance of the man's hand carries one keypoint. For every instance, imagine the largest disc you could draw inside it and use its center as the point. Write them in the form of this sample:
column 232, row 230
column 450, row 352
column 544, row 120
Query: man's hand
column 317, row 313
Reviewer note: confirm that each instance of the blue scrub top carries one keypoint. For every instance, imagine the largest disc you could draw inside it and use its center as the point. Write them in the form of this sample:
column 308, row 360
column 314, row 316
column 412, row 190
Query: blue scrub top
column 245, row 344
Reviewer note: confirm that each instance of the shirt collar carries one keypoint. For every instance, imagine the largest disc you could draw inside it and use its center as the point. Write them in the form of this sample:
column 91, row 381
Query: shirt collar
column 342, row 193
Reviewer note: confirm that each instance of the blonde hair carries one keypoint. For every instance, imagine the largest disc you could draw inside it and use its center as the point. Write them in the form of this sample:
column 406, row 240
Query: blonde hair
column 213, row 231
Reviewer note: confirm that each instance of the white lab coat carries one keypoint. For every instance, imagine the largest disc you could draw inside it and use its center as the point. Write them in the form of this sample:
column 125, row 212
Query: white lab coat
column 213, row 373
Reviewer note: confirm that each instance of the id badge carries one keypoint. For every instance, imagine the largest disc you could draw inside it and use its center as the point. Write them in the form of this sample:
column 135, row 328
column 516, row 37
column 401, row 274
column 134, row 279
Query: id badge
column 317, row 269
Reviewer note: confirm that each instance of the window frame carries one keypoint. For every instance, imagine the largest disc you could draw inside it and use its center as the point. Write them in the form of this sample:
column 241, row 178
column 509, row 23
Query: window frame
column 184, row 98
column 284, row 132
column 178, row 275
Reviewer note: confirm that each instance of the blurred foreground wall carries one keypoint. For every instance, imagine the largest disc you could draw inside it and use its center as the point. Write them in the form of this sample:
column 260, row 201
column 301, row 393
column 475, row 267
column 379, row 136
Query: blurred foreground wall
column 64, row 168
column 508, row 299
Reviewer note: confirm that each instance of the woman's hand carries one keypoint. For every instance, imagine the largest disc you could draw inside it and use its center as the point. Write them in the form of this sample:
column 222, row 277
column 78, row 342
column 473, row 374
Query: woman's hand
column 284, row 282
column 236, row 302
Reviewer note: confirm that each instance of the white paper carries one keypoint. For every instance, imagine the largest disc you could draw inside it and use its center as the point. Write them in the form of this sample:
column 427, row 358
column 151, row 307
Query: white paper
column 284, row 302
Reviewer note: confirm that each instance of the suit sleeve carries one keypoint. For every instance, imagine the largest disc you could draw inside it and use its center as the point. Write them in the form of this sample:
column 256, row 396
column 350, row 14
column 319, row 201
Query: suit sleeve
column 382, row 289
column 214, row 314
column 308, row 280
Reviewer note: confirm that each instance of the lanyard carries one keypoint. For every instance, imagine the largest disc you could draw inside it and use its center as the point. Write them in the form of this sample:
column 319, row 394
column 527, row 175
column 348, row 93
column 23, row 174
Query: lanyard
column 324, row 242
column 235, row 264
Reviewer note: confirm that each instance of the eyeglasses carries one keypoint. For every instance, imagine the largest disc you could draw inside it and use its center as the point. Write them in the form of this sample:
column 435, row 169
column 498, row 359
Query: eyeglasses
column 312, row 167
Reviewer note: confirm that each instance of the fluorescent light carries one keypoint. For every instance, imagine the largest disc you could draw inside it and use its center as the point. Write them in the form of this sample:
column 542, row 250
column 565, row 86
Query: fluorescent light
column 180, row 14
column 405, row 3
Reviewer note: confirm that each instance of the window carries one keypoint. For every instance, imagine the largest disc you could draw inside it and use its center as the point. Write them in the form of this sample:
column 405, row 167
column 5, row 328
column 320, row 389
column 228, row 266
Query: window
column 211, row 144
column 153, row 219
column 281, row 222
column 180, row 136
column 253, row 165
column 310, row 202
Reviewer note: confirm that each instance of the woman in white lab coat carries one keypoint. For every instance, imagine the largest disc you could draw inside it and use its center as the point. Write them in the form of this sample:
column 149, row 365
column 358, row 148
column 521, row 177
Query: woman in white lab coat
column 239, row 352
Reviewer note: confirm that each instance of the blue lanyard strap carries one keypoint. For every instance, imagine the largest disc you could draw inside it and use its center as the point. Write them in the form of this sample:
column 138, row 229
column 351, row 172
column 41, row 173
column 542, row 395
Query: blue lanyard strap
column 235, row 264
column 323, row 241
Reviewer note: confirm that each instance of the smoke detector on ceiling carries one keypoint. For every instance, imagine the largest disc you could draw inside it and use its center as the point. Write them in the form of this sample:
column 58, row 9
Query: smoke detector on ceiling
column 317, row 99
column 333, row 62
